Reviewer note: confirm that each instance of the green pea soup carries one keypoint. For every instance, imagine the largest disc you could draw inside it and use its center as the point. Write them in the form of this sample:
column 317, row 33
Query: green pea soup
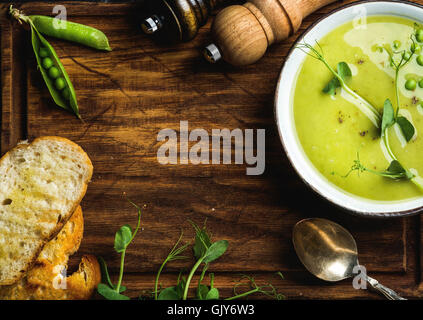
column 332, row 129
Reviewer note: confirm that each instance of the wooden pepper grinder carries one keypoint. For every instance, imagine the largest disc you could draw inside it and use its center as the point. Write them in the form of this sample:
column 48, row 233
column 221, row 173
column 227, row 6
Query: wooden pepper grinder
column 242, row 33
column 177, row 20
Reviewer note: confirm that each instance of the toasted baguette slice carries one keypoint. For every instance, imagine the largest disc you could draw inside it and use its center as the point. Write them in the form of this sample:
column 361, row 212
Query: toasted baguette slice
column 45, row 280
column 41, row 185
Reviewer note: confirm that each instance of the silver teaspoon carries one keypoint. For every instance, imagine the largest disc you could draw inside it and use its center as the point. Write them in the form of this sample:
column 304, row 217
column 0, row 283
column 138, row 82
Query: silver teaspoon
column 329, row 252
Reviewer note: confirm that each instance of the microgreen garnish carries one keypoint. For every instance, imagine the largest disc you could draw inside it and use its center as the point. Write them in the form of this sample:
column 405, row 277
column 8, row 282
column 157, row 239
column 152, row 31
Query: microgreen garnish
column 342, row 74
column 398, row 59
column 406, row 127
column 205, row 251
column 124, row 236
column 395, row 170
column 175, row 254
column 268, row 289
column 332, row 85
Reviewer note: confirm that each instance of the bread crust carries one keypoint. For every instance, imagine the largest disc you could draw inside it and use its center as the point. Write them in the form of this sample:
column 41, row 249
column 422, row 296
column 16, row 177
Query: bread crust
column 44, row 282
column 66, row 217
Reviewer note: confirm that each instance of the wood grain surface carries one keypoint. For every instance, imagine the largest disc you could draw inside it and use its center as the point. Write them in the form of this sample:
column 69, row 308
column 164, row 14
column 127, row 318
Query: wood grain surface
column 126, row 97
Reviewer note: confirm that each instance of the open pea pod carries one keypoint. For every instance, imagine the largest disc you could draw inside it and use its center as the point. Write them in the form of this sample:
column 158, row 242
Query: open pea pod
column 70, row 104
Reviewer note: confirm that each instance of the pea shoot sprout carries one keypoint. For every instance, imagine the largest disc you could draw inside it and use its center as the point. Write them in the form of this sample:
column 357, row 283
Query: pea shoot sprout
column 339, row 81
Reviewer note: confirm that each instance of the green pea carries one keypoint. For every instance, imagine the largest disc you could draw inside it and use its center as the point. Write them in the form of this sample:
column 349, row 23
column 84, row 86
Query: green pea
column 420, row 60
column 411, row 84
column 60, row 83
column 406, row 55
column 66, row 93
column 421, row 84
column 53, row 72
column 397, row 44
column 415, row 48
column 47, row 63
column 44, row 53
column 419, row 35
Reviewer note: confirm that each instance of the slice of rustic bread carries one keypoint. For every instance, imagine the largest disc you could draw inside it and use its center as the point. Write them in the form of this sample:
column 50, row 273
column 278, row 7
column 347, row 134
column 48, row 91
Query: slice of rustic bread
column 41, row 185
column 46, row 279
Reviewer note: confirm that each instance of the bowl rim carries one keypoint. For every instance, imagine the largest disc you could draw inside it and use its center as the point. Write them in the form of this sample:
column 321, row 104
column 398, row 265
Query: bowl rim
column 300, row 37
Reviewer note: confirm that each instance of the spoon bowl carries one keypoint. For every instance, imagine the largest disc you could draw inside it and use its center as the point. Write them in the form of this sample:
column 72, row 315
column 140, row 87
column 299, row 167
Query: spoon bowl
column 325, row 248
column 329, row 252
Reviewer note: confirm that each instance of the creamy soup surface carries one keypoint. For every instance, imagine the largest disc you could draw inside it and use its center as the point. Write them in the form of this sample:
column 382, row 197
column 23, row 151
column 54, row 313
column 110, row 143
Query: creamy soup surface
column 332, row 129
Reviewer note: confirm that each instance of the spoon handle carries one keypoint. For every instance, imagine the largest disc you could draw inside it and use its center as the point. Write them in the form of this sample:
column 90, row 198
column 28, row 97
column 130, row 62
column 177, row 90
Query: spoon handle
column 388, row 293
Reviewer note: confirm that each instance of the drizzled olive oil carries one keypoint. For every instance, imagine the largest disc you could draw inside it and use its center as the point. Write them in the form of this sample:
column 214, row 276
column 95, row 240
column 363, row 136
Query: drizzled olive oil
column 332, row 129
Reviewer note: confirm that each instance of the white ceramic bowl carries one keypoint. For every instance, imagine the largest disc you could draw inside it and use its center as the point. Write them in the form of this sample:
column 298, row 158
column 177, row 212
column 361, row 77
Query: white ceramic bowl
column 285, row 115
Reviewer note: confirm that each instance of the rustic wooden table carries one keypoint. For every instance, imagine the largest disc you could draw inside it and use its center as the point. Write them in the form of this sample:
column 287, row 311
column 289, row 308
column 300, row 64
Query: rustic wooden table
column 126, row 97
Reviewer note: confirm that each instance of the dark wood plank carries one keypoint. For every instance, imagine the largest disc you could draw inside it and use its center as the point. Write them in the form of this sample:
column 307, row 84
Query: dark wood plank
column 13, row 82
column 126, row 97
column 294, row 286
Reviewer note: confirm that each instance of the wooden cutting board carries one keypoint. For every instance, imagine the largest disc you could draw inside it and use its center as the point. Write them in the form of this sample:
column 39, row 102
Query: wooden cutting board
column 126, row 97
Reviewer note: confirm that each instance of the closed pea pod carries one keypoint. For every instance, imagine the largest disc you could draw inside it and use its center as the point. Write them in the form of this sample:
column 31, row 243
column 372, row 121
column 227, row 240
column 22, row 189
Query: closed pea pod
column 71, row 31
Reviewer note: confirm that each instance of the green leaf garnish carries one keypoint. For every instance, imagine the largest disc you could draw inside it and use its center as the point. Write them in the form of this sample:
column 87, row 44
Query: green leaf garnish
column 205, row 251
column 395, row 170
column 169, row 294
column 202, row 240
column 215, row 251
column 109, row 293
column 344, row 71
column 124, row 236
column 406, row 127
column 180, row 287
column 213, row 294
column 202, row 292
column 331, row 87
column 388, row 118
